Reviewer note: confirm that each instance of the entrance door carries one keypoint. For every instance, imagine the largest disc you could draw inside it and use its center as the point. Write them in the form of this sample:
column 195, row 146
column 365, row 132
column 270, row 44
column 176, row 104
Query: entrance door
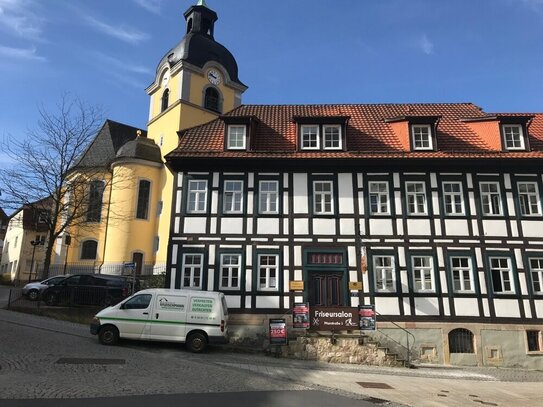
column 326, row 289
column 138, row 259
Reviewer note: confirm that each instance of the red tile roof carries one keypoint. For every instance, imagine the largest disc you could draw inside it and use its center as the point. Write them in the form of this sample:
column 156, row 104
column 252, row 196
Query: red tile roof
column 368, row 132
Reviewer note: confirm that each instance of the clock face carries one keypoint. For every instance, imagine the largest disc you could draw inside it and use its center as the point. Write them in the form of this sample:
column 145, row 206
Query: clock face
column 166, row 78
column 214, row 76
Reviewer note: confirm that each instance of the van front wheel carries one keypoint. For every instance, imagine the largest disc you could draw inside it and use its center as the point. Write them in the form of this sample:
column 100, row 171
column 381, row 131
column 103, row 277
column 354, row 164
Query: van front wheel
column 109, row 335
column 196, row 342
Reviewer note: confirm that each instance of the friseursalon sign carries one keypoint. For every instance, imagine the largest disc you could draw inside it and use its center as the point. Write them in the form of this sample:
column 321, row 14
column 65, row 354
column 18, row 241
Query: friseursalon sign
column 333, row 318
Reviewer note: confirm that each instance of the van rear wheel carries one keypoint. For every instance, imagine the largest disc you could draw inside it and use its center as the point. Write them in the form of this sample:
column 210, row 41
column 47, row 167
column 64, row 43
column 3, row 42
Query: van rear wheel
column 109, row 335
column 196, row 342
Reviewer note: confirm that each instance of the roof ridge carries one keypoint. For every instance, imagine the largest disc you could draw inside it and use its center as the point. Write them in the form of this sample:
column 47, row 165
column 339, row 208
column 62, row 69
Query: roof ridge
column 358, row 104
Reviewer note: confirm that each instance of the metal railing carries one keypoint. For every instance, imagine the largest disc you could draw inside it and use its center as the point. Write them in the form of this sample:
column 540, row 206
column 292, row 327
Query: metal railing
column 408, row 334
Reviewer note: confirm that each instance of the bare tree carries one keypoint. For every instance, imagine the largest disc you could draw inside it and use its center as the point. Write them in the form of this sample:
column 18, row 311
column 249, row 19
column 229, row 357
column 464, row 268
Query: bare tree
column 46, row 166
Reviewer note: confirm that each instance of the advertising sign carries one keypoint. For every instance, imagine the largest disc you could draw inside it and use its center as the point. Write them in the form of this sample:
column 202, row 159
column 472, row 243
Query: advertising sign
column 278, row 331
column 333, row 318
column 300, row 315
column 366, row 315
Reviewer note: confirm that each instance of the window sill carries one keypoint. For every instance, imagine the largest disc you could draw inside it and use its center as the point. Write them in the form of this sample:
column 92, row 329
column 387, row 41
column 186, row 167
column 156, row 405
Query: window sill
column 534, row 353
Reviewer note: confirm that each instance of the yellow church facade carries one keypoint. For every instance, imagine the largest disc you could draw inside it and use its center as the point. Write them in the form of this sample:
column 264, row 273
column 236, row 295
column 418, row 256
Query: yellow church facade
column 195, row 82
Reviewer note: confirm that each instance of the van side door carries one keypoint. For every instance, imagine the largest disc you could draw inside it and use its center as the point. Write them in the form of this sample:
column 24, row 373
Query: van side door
column 132, row 316
column 169, row 317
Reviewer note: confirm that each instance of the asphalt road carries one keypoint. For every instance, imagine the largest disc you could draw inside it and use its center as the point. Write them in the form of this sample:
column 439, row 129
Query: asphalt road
column 252, row 399
column 45, row 362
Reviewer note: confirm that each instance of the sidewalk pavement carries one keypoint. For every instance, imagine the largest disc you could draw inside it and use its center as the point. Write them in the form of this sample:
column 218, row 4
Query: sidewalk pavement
column 423, row 386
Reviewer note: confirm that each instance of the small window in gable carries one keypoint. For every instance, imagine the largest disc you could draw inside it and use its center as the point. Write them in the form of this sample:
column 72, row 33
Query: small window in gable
column 310, row 137
column 332, row 137
column 421, row 135
column 236, row 138
column 513, row 137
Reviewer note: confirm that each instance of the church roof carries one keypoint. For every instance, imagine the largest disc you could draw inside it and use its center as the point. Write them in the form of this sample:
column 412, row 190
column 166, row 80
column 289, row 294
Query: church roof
column 141, row 148
column 103, row 149
column 370, row 132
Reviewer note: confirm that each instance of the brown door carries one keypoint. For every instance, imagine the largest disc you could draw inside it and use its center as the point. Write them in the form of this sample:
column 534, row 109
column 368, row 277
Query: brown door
column 326, row 289
column 137, row 258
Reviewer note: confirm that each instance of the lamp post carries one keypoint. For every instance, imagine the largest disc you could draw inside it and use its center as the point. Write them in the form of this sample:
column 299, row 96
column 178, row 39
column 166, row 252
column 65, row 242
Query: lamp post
column 34, row 243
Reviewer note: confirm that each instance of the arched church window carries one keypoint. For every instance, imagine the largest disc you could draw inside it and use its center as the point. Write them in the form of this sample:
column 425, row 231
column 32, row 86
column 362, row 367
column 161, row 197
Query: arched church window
column 164, row 100
column 212, row 99
column 461, row 341
column 189, row 25
column 88, row 250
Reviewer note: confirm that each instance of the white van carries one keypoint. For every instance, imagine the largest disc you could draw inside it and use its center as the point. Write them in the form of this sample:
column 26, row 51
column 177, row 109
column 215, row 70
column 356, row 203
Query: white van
column 161, row 314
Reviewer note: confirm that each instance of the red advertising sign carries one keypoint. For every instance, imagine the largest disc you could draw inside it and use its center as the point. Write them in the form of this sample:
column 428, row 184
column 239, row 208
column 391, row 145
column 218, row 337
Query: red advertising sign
column 366, row 315
column 300, row 316
column 278, row 331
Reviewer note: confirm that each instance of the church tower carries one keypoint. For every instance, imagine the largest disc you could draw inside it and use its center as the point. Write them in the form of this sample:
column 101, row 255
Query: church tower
column 196, row 81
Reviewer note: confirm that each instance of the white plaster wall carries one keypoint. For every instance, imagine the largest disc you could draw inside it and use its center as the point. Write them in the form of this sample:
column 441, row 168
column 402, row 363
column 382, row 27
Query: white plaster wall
column 300, row 193
column 539, row 308
column 456, row 227
column 324, row 226
column 346, row 227
column 380, row 227
column 345, row 190
column 426, row 306
column 232, row 225
column 195, row 225
column 418, row 227
column 267, row 302
column 466, row 307
column 506, row 308
column 387, row 305
column 267, row 226
column 233, row 301
column 532, row 228
column 494, row 227
column 301, row 227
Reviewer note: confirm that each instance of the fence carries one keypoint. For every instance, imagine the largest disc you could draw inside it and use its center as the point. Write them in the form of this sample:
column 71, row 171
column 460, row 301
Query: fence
column 147, row 269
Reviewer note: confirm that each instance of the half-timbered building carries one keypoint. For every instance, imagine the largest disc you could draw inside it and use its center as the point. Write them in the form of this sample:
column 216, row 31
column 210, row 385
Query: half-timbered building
column 434, row 208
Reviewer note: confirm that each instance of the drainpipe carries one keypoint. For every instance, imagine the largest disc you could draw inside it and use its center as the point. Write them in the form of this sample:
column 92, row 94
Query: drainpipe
column 107, row 222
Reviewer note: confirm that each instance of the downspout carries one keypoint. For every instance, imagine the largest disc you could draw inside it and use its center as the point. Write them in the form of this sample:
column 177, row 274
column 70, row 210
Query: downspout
column 107, row 221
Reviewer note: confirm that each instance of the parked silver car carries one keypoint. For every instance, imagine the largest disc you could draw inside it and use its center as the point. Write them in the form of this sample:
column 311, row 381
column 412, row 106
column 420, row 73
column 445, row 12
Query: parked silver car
column 34, row 290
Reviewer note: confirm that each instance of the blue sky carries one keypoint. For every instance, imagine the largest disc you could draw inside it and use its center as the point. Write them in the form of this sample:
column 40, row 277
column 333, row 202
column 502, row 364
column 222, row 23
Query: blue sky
column 489, row 52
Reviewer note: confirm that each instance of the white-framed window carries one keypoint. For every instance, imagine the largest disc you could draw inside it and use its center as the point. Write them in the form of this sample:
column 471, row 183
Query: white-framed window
column 452, row 198
column 384, row 274
column 268, row 200
column 462, row 274
column 197, row 196
column 423, row 273
column 502, row 275
column 536, row 272
column 416, row 198
column 268, row 272
column 422, row 137
column 236, row 138
column 230, row 271
column 513, row 137
column 233, row 197
column 490, row 198
column 379, row 202
column 528, row 196
column 331, row 137
column 310, row 137
column 323, row 198
column 192, row 270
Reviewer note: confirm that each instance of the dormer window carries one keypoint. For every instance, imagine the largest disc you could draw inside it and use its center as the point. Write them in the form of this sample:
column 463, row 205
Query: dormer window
column 421, row 136
column 332, row 137
column 236, row 137
column 513, row 137
column 310, row 137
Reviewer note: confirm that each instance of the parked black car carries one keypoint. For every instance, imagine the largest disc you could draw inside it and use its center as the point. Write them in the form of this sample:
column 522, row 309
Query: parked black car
column 89, row 289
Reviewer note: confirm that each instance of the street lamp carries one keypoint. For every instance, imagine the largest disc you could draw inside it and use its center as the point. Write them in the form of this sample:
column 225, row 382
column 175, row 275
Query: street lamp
column 34, row 243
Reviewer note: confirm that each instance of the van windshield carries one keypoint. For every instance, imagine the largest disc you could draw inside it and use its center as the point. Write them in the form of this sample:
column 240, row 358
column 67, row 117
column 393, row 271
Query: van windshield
column 224, row 306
